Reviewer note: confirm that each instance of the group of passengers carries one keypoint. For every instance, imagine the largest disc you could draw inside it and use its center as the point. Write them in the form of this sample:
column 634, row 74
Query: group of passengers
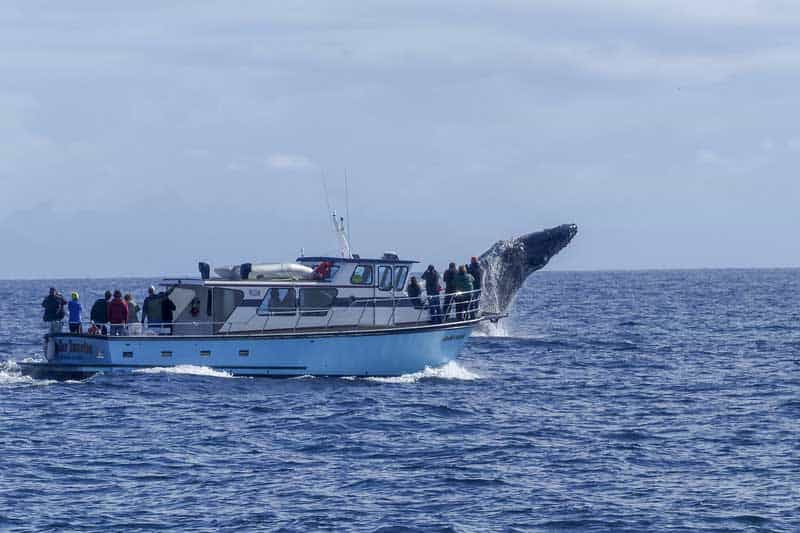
column 112, row 313
column 462, row 290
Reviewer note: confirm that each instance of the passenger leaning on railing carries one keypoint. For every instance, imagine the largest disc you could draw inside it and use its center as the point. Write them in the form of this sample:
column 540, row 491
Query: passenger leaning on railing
column 449, row 289
column 54, row 310
column 99, row 312
column 75, row 311
column 463, row 284
column 118, row 314
column 432, row 288
column 476, row 272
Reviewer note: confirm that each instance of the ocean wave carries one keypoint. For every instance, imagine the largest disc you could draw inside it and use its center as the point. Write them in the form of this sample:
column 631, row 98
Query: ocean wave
column 190, row 370
column 451, row 370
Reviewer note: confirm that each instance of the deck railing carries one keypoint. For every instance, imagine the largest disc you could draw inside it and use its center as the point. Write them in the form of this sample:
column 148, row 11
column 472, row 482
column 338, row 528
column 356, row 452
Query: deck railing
column 443, row 307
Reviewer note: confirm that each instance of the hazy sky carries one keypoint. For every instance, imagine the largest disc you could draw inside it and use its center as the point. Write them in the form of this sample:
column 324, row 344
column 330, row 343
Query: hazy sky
column 139, row 139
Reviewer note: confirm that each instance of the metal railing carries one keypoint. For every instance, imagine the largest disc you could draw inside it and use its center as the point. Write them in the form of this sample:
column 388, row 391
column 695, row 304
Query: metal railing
column 440, row 308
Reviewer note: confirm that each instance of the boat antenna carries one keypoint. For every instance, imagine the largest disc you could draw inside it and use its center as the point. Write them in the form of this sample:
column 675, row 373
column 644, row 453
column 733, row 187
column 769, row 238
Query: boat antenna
column 338, row 224
column 347, row 206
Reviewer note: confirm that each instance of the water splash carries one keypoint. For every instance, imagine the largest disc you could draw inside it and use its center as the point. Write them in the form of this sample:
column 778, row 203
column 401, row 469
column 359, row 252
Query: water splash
column 451, row 370
column 190, row 370
column 491, row 329
column 10, row 374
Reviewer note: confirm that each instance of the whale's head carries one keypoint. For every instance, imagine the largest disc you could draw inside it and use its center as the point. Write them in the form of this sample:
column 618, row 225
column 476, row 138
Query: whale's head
column 508, row 263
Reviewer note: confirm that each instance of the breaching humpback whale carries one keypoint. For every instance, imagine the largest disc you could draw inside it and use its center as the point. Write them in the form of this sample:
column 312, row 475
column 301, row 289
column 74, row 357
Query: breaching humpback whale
column 507, row 264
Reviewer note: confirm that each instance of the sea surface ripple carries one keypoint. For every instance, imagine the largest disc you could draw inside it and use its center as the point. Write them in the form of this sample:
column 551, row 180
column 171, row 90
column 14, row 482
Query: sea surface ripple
column 617, row 401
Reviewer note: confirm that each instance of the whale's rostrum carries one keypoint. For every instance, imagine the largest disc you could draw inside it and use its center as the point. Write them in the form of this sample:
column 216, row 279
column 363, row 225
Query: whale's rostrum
column 508, row 263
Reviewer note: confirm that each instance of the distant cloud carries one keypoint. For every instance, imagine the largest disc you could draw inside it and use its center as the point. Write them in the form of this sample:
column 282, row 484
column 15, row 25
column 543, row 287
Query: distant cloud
column 289, row 162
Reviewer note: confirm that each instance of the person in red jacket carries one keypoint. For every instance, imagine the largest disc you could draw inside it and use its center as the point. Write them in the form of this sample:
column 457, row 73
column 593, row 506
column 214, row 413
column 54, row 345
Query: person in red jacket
column 117, row 314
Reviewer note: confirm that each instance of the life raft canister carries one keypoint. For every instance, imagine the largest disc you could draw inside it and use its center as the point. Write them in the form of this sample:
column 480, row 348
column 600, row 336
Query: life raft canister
column 323, row 270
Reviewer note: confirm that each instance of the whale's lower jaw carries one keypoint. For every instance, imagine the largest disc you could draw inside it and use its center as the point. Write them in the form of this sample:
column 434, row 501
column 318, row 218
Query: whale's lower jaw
column 507, row 264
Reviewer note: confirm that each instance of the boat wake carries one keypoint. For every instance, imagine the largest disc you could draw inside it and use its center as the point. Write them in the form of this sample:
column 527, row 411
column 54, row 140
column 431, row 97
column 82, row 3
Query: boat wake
column 450, row 371
column 10, row 374
column 190, row 370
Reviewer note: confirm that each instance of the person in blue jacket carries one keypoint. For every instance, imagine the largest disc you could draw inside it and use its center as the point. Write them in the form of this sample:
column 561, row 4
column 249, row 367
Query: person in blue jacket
column 75, row 310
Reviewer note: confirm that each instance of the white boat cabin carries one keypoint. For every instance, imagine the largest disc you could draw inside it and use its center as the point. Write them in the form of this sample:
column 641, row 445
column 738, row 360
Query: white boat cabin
column 341, row 293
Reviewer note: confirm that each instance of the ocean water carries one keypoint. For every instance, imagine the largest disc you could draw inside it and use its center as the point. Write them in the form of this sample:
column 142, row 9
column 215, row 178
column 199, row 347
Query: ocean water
column 630, row 401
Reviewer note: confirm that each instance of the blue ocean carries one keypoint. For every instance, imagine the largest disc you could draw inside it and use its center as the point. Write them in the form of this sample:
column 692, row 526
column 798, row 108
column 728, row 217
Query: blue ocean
column 609, row 401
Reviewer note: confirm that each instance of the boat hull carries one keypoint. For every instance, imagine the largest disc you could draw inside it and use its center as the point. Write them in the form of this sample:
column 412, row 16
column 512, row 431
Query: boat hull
column 373, row 353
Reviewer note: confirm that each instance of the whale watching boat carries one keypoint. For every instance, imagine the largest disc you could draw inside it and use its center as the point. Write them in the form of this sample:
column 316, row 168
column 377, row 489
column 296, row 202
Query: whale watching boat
column 323, row 316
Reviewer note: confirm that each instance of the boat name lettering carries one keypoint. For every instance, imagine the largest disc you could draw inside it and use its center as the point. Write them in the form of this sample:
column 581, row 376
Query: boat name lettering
column 453, row 337
column 74, row 347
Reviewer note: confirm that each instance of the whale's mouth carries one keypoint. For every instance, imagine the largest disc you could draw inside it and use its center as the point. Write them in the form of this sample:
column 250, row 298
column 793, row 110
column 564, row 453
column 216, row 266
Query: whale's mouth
column 541, row 246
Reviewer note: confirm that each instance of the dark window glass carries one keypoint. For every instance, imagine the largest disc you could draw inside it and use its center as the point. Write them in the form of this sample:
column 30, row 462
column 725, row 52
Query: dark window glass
column 316, row 301
column 400, row 274
column 278, row 301
column 385, row 278
column 362, row 275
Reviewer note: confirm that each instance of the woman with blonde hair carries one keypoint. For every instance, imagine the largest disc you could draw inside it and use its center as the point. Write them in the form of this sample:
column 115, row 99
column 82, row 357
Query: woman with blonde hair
column 134, row 327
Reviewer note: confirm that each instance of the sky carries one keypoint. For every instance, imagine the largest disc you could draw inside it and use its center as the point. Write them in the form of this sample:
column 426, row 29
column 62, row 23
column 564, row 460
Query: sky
column 138, row 139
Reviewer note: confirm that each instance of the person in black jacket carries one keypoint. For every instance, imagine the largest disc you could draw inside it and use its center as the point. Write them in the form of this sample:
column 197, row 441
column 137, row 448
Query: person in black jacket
column 432, row 288
column 449, row 288
column 167, row 313
column 477, row 273
column 99, row 312
column 54, row 310
column 414, row 290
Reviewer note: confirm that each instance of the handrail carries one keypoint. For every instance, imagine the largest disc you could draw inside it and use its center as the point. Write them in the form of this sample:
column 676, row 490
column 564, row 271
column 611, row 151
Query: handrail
column 421, row 302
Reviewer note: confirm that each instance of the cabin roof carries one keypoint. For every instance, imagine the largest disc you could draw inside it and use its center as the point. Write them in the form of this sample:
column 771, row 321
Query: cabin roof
column 361, row 260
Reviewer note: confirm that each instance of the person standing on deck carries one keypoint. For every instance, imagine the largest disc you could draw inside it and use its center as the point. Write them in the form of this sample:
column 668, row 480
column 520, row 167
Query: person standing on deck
column 151, row 309
column 134, row 327
column 413, row 291
column 167, row 312
column 117, row 314
column 476, row 272
column 432, row 287
column 99, row 312
column 463, row 283
column 449, row 289
column 53, row 305
column 75, row 310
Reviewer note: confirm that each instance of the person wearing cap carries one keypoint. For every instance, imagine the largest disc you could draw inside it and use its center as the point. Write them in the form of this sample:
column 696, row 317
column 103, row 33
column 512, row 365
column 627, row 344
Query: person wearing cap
column 99, row 312
column 432, row 288
column 75, row 310
column 53, row 305
column 476, row 272
column 117, row 314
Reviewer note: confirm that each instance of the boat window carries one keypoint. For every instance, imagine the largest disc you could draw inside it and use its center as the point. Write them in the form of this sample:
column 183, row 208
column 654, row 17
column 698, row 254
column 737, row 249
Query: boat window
column 385, row 278
column 400, row 274
column 278, row 301
column 225, row 301
column 362, row 275
column 316, row 301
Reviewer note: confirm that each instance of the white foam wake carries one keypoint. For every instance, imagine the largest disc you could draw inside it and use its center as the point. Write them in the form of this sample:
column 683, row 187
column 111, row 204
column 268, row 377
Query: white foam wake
column 191, row 370
column 10, row 374
column 491, row 329
column 451, row 370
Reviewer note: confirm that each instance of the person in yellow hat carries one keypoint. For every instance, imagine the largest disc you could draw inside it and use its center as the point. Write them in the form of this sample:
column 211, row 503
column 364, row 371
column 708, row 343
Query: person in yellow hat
column 75, row 310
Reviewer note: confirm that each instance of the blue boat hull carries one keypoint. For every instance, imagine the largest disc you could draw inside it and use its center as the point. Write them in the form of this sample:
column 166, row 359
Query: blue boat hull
column 373, row 353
